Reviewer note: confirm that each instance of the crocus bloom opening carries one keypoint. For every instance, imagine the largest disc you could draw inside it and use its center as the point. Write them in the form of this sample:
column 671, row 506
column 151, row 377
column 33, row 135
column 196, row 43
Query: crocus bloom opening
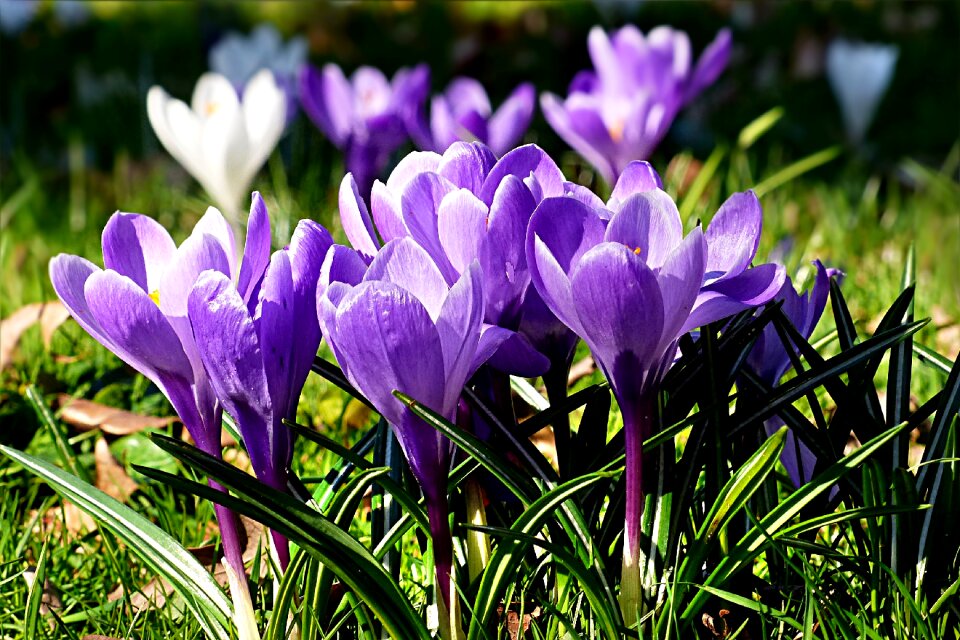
column 363, row 116
column 619, row 111
column 859, row 75
column 221, row 140
column 137, row 308
column 238, row 58
column 629, row 283
column 404, row 311
column 461, row 206
column 769, row 360
column 463, row 112
column 257, row 340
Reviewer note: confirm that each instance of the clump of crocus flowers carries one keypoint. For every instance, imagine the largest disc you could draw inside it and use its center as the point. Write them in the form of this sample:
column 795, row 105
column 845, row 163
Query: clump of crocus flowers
column 471, row 257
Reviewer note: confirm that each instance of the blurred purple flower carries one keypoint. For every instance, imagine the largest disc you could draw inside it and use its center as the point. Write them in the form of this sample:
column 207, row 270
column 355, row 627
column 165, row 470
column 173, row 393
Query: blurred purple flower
column 364, row 116
column 619, row 111
column 137, row 308
column 402, row 327
column 464, row 206
column 463, row 112
column 769, row 360
column 257, row 339
column 628, row 282
column 238, row 58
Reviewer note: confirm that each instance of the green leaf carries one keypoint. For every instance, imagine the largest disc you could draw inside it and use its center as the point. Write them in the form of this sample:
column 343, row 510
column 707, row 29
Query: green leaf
column 53, row 426
column 734, row 495
column 31, row 617
column 320, row 537
column 160, row 551
column 754, row 541
column 753, row 131
column 796, row 169
column 502, row 568
column 835, row 366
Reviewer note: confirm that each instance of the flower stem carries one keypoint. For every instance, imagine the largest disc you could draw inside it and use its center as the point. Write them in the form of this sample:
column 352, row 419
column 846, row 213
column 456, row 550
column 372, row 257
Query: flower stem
column 555, row 380
column 638, row 421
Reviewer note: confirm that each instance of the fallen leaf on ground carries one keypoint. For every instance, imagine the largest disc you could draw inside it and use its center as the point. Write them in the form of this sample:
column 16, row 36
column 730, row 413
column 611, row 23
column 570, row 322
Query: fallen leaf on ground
column 581, row 369
column 50, row 598
column 50, row 315
column 157, row 590
column 86, row 415
column 112, row 478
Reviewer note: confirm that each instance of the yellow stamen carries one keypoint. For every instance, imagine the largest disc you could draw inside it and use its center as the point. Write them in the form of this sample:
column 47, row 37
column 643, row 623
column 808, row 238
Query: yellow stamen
column 155, row 296
column 637, row 251
column 616, row 129
column 211, row 108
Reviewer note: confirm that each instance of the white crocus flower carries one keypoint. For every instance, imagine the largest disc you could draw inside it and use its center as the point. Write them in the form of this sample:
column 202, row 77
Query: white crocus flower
column 859, row 75
column 220, row 139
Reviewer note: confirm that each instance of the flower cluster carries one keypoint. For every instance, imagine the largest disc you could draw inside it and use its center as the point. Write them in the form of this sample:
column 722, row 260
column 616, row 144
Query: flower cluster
column 459, row 262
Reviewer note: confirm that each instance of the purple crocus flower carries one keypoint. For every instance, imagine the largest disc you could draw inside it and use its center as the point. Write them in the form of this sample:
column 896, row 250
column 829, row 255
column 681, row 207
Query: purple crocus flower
column 257, row 340
column 619, row 111
column 137, row 308
column 403, row 311
column 463, row 112
column 364, row 116
column 769, row 360
column 630, row 284
column 461, row 206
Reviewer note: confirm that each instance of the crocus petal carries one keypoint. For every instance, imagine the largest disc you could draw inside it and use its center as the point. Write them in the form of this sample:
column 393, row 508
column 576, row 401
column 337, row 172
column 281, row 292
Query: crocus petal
column 341, row 264
column 458, row 326
column 466, row 164
column 265, row 116
column 256, row 251
column 523, row 162
column 234, row 362
column 405, row 263
column 215, row 224
column 385, row 207
column 356, row 219
column 752, row 288
column 198, row 253
column 584, row 195
column 604, row 57
column 420, row 204
column 177, row 128
column 212, row 93
column 560, row 231
column 443, row 124
column 223, row 149
column 69, row 275
column 588, row 136
column 514, row 355
column 138, row 247
column 733, row 236
column 327, row 99
column 508, row 124
column 502, row 255
column 381, row 329
column 308, row 247
column 131, row 320
column 411, row 165
column 637, row 177
column 679, row 279
column 619, row 303
column 711, row 64
column 273, row 320
column 461, row 225
column 648, row 223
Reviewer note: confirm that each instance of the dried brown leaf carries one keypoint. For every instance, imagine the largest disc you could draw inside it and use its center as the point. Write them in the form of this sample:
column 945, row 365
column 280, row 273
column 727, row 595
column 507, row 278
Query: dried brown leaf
column 50, row 315
column 86, row 415
column 581, row 369
column 112, row 478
